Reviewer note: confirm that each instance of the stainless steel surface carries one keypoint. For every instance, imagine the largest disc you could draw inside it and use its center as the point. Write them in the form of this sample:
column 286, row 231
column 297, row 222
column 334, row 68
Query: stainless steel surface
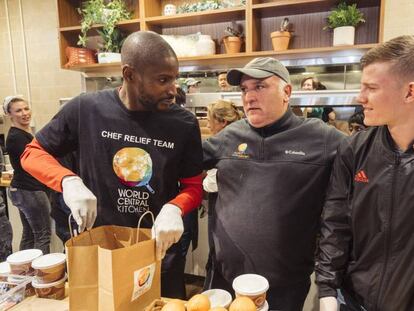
column 335, row 98
column 343, row 101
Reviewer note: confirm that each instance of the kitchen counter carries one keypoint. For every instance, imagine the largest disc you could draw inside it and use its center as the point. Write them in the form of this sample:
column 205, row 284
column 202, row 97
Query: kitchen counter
column 40, row 304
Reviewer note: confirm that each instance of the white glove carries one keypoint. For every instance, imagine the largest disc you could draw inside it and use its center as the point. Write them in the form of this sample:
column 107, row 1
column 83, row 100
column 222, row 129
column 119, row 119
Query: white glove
column 328, row 304
column 167, row 229
column 80, row 200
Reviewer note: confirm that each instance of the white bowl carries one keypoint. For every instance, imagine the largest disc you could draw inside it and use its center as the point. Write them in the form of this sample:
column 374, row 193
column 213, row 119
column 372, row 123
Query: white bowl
column 218, row 297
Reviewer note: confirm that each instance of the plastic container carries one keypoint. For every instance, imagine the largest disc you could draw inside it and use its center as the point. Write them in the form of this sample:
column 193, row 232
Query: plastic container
column 11, row 293
column 265, row 307
column 218, row 298
column 21, row 262
column 55, row 290
column 253, row 286
column 18, row 279
column 205, row 46
column 49, row 268
column 4, row 271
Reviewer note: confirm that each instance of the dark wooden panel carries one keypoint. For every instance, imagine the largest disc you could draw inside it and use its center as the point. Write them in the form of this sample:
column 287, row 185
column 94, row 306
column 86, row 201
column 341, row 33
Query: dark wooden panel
column 309, row 33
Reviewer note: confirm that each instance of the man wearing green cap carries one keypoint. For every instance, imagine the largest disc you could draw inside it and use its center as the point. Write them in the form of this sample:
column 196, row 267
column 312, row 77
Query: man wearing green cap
column 273, row 169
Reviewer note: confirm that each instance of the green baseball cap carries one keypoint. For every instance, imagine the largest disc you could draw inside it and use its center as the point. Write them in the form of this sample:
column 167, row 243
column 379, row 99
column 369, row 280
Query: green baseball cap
column 259, row 68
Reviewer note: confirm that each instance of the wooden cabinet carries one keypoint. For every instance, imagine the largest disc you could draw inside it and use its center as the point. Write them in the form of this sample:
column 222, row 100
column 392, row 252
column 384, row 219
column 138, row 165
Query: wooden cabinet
column 258, row 17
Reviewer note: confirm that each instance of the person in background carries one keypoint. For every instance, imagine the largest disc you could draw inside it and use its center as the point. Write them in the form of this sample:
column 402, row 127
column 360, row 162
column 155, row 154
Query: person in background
column 222, row 82
column 6, row 236
column 193, row 85
column 310, row 84
column 180, row 97
column 59, row 210
column 135, row 150
column 273, row 169
column 367, row 247
column 219, row 115
column 190, row 221
column 27, row 194
column 328, row 114
column 356, row 123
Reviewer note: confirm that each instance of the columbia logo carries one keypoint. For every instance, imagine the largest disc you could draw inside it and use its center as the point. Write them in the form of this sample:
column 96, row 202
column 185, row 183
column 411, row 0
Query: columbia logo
column 361, row 177
column 295, row 152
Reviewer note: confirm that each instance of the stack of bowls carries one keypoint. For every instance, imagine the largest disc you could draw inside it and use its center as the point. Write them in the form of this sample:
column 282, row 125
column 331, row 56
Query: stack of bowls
column 50, row 276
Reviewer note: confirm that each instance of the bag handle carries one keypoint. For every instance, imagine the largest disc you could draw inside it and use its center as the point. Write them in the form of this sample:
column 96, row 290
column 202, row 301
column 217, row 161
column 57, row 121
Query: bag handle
column 139, row 223
column 75, row 232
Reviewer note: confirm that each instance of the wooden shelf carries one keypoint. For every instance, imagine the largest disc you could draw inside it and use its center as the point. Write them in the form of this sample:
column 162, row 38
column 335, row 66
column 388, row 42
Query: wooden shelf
column 205, row 17
column 233, row 60
column 259, row 18
column 132, row 24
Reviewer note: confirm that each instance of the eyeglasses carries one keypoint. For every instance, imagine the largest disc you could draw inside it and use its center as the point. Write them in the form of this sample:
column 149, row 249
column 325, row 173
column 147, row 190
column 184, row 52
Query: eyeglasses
column 356, row 128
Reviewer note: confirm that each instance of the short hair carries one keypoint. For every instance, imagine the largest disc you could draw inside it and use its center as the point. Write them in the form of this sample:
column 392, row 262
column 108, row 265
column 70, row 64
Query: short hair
column 222, row 73
column 320, row 86
column 143, row 48
column 357, row 117
column 180, row 97
column 223, row 110
column 398, row 51
column 314, row 82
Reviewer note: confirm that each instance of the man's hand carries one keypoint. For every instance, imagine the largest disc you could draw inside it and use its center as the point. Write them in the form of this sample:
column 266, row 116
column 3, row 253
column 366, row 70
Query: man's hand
column 168, row 228
column 80, row 200
column 328, row 304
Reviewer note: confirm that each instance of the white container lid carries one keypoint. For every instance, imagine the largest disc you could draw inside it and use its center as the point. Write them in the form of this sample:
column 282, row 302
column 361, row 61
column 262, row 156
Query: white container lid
column 36, row 284
column 4, row 268
column 25, row 256
column 250, row 284
column 218, row 297
column 48, row 261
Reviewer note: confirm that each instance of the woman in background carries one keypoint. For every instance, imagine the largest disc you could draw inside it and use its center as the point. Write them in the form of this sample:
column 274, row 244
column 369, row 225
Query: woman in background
column 219, row 115
column 310, row 84
column 27, row 194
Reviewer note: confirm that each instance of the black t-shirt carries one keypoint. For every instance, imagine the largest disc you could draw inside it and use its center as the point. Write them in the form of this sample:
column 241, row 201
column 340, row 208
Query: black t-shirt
column 130, row 160
column 16, row 141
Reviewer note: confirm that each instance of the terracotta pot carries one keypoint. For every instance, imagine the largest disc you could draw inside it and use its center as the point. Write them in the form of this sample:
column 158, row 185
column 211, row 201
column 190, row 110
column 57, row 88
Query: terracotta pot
column 232, row 44
column 280, row 40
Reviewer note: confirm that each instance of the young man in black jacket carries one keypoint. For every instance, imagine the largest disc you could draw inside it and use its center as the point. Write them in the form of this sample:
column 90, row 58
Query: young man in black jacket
column 367, row 246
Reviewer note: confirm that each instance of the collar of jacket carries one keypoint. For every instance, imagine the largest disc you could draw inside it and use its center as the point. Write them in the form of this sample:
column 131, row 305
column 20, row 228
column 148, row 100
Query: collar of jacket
column 288, row 120
column 390, row 147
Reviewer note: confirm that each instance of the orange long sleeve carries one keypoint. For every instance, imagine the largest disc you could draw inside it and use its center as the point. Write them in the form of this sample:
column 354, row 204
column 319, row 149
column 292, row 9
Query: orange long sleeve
column 43, row 166
column 190, row 195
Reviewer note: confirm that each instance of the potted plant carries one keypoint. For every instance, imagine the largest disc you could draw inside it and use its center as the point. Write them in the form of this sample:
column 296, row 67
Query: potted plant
column 343, row 20
column 108, row 14
column 233, row 39
column 281, row 38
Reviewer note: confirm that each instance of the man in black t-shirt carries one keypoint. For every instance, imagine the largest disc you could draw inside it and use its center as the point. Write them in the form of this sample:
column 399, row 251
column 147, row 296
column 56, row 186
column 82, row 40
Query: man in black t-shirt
column 136, row 151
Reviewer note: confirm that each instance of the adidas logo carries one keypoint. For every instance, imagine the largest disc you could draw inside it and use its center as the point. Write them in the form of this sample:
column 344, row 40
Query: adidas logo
column 361, row 177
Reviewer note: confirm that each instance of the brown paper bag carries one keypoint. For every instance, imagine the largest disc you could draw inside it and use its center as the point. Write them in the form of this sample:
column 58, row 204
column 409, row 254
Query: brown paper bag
column 109, row 271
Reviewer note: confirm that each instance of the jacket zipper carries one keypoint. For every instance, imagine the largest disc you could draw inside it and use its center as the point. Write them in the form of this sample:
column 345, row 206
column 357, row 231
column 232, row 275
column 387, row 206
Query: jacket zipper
column 388, row 231
column 262, row 149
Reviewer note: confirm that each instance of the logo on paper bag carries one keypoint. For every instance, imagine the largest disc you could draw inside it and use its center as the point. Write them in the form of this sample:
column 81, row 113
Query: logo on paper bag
column 143, row 281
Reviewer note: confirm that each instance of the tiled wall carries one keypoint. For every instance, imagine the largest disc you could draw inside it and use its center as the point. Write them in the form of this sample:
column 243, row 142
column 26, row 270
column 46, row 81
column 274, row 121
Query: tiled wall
column 44, row 81
column 398, row 18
